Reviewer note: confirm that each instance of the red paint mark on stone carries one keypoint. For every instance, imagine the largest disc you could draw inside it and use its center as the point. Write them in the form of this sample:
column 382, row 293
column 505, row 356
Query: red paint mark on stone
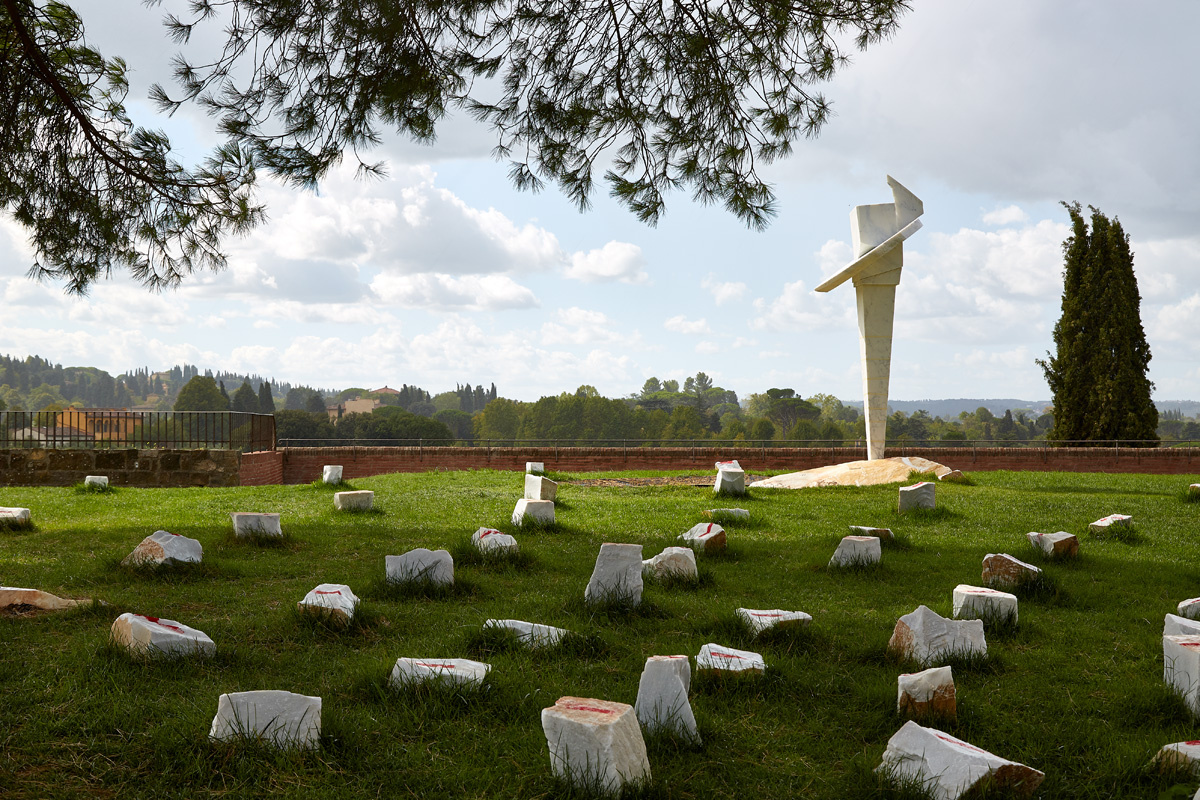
column 763, row 614
column 727, row 655
column 320, row 591
column 435, row 666
column 573, row 707
column 957, row 743
column 161, row 624
column 487, row 533
column 1192, row 744
column 1189, row 644
column 708, row 530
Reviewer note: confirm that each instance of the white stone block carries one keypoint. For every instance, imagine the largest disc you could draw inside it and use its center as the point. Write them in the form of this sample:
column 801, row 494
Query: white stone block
column 672, row 562
column 334, row 599
column 927, row 693
column 354, row 501
column 535, row 467
column 759, row 620
column 452, row 671
column 331, row 474
column 595, row 745
column 948, row 767
column 489, row 540
column 731, row 465
column 163, row 547
column 539, row 488
column 952, row 475
column 1181, row 667
column 717, row 659
column 535, row 512
column 160, row 638
column 727, row 513
column 1189, row 608
column 1180, row 626
column 707, row 537
column 248, row 524
column 421, row 566
column 662, row 699
column 731, row 479
column 1181, row 756
column 1001, row 569
column 16, row 517
column 281, row 719
column 979, row 602
column 1194, row 489
column 1057, row 545
column 531, row 634
column 617, row 576
column 856, row 551
column 1109, row 523
column 882, row 534
column 96, row 481
column 919, row 495
column 35, row 598
column 926, row 637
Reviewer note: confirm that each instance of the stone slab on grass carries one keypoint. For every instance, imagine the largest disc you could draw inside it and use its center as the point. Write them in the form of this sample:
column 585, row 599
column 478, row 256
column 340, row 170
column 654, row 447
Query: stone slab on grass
column 617, row 576
column 449, row 671
column 362, row 500
column 163, row 548
column 949, row 768
column 1189, row 608
column 716, row 659
column 331, row 474
column 739, row 514
column 926, row 637
column 1181, row 668
column 919, row 495
column 672, row 562
column 332, row 599
column 882, row 534
column 535, row 468
column 421, row 565
column 156, row 637
column 1001, row 569
column 1180, row 756
column 929, row 693
column 96, row 481
column 533, row 512
column 1110, row 523
column 1193, row 490
column 531, row 634
column 596, row 745
column 272, row 717
column 540, row 488
column 662, row 699
column 731, row 478
column 980, row 602
column 857, row 551
column 761, row 619
column 15, row 517
column 490, row 540
column 707, row 537
column 255, row 524
column 1180, row 626
column 1055, row 545
column 36, row 598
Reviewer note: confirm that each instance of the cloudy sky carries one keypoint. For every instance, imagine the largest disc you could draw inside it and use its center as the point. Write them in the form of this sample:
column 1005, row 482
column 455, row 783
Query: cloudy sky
column 992, row 112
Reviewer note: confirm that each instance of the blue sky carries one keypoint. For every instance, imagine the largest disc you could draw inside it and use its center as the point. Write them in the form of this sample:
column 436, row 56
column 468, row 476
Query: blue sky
column 991, row 112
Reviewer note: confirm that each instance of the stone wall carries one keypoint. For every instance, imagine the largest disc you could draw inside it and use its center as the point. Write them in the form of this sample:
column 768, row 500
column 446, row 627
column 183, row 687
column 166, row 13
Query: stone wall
column 146, row 468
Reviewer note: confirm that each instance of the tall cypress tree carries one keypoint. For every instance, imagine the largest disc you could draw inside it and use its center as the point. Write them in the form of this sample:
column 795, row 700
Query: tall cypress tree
column 266, row 403
column 1098, row 374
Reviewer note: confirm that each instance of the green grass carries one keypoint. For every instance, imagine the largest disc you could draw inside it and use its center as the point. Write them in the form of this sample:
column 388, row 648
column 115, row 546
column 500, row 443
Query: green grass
column 1075, row 690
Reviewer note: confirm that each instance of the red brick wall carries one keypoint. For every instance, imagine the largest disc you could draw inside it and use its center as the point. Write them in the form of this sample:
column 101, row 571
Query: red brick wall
column 303, row 464
column 264, row 468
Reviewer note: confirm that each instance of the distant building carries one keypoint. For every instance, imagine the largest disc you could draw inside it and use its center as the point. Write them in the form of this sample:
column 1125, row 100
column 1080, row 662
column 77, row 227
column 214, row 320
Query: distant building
column 100, row 424
column 386, row 390
column 356, row 406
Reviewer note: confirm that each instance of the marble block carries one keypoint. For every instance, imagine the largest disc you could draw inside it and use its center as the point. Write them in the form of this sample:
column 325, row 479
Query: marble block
column 281, row 719
column 731, row 479
column 354, row 501
column 882, row 534
column 1193, row 490
column 1055, row 545
column 595, row 745
column 334, row 599
column 759, row 620
column 16, row 517
column 531, row 634
column 949, row 768
column 165, row 548
column 980, row 602
column 730, row 465
column 715, row 659
column 489, row 540
column 662, row 699
column 539, row 488
column 617, row 576
column 331, row 474
column 1189, row 608
column 1180, row 756
column 952, row 475
column 708, row 537
column 535, row 467
column 535, row 512
column 919, row 495
column 672, row 562
column 250, row 524
column 740, row 514
column 856, row 551
column 927, row 693
column 36, row 598
column 421, row 566
column 926, row 637
column 96, row 481
column 1001, row 569
column 1180, row 626
column 1106, row 524
column 156, row 637
column 449, row 671
column 1181, row 668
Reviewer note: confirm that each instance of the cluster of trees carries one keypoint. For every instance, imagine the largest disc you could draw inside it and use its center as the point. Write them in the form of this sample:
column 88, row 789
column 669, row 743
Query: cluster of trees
column 391, row 423
column 204, row 393
column 35, row 384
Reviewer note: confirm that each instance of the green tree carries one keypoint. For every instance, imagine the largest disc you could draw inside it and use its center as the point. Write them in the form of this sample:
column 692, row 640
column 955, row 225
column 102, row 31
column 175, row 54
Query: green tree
column 201, row 393
column 499, row 421
column 244, row 399
column 1098, row 373
column 315, row 404
column 266, row 403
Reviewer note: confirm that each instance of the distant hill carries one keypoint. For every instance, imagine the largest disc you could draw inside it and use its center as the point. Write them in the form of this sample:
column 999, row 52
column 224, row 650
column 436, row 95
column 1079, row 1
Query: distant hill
column 950, row 409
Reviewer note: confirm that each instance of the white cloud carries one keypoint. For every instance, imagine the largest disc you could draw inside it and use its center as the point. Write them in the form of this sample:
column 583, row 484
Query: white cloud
column 580, row 326
column 708, row 348
column 724, row 292
column 616, row 261
column 1178, row 322
column 681, row 324
column 1009, row 215
column 448, row 292
column 799, row 309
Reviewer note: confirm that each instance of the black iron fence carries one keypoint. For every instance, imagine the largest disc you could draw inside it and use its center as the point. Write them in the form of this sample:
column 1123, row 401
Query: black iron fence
column 85, row 428
column 747, row 443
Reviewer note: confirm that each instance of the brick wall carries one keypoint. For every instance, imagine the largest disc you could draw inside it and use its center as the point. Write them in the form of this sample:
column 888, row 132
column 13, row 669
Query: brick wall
column 262, row 469
column 146, row 468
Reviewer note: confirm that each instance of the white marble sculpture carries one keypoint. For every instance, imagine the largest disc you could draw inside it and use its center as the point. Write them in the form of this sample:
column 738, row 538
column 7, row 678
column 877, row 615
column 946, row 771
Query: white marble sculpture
column 706, row 537
column 919, row 495
column 980, row 602
column 1055, row 545
column 155, row 637
column 856, row 551
column 716, row 659
column 948, row 768
column 927, row 637
column 96, row 481
column 534, row 512
column 1106, row 524
column 362, row 500
column 448, row 671
column 253, row 524
column 538, row 487
column 35, row 598
column 273, row 717
column 1181, row 756
column 530, row 634
column 927, row 693
column 595, row 745
column 490, row 540
column 882, row 534
column 16, row 517
column 731, row 478
column 334, row 600
column 761, row 619
column 1174, row 625
column 331, row 474
column 421, row 566
column 617, row 576
column 1181, row 667
column 1189, row 608
column 878, row 233
column 672, row 562
column 163, row 548
column 662, row 699
column 535, row 467
column 1001, row 569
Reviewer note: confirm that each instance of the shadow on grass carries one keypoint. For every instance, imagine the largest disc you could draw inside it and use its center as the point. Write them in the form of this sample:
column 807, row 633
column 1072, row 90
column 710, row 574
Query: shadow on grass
column 927, row 516
column 385, row 590
column 494, row 699
column 614, row 608
column 1125, row 534
column 1189, row 495
column 466, row 554
column 83, row 488
column 791, row 641
column 484, row 642
column 260, row 541
column 170, row 573
column 680, row 582
column 325, row 624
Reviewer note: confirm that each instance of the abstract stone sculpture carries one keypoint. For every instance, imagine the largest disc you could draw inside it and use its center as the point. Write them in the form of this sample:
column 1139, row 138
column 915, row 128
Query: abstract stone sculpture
column 919, row 495
column 490, row 540
column 883, row 534
column 759, row 620
column 540, row 488
column 927, row 693
column 1181, row 668
column 96, row 481
column 979, row 602
column 1189, row 608
column 16, row 517
column 672, row 562
column 163, row 548
column 707, row 537
column 354, row 501
column 1055, row 545
column 35, row 598
column 878, row 233
column 1180, row 756
column 662, row 699
column 277, row 718
column 948, row 768
column 155, row 637
column 535, row 512
column 449, row 671
column 617, row 576
column 252, row 524
column 1180, row 626
column 334, row 600
column 731, row 478
column 1001, row 569
column 421, row 566
column 331, row 474
column 535, row 467
column 856, row 551
column 717, row 660
column 718, row 514
column 595, row 745
column 1106, row 524
column 531, row 634
column 926, row 637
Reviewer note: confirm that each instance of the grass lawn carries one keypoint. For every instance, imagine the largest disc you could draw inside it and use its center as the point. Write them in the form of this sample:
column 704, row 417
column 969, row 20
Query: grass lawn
column 1075, row 690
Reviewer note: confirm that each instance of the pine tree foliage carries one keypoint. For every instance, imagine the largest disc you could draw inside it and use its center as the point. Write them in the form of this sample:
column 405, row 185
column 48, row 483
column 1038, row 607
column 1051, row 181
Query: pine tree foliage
column 1098, row 373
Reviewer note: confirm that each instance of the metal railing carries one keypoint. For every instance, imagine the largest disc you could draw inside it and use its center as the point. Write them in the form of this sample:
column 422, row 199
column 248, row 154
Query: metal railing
column 116, row 429
column 893, row 444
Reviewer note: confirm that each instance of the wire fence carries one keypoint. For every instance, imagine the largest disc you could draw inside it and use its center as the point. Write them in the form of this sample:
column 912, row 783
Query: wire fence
column 761, row 444
column 95, row 429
